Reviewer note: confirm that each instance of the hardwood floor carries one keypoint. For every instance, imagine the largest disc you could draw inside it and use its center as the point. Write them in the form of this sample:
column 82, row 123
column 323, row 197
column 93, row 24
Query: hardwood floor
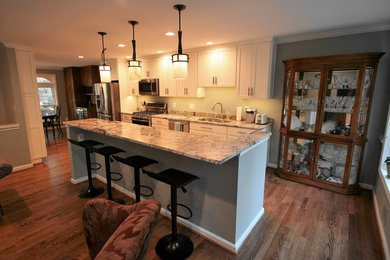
column 43, row 219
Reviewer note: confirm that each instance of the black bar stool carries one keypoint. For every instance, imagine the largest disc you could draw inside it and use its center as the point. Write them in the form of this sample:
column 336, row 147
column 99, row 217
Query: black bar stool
column 107, row 151
column 174, row 246
column 90, row 191
column 137, row 162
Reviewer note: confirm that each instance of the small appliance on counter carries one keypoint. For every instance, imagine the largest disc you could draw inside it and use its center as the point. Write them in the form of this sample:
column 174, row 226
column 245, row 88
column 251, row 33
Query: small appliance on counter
column 250, row 115
column 261, row 119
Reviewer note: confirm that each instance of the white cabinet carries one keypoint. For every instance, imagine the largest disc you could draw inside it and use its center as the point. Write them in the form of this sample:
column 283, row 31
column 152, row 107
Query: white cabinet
column 149, row 68
column 217, row 67
column 189, row 87
column 167, row 82
column 208, row 129
column 235, row 132
column 133, row 87
column 161, row 123
column 255, row 69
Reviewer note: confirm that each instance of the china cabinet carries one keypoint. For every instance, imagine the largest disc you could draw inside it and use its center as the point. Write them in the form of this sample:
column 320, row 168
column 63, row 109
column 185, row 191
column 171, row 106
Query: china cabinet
column 325, row 113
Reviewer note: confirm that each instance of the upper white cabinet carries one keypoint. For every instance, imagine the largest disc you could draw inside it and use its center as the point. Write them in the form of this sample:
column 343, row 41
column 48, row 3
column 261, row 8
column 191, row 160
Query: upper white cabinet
column 255, row 69
column 217, row 67
column 150, row 68
column 189, row 87
column 167, row 82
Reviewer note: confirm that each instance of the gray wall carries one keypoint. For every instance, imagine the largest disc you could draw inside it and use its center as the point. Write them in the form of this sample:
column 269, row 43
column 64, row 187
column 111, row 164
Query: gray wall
column 14, row 143
column 367, row 42
column 61, row 90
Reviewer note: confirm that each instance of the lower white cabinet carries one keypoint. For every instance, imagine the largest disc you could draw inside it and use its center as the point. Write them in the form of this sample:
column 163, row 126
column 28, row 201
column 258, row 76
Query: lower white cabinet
column 235, row 132
column 161, row 123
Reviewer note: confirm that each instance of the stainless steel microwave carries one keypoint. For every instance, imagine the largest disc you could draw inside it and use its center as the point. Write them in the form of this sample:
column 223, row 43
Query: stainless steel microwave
column 148, row 87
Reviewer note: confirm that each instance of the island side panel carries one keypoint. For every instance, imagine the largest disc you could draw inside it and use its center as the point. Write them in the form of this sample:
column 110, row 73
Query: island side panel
column 250, row 194
column 212, row 198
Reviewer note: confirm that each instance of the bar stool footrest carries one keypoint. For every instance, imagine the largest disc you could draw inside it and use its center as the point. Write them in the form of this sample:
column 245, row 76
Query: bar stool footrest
column 98, row 166
column 184, row 206
column 118, row 178
column 151, row 192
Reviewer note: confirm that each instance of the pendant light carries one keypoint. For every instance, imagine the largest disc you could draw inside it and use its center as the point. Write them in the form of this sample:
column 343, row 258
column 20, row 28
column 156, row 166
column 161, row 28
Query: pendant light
column 134, row 65
column 180, row 60
column 104, row 70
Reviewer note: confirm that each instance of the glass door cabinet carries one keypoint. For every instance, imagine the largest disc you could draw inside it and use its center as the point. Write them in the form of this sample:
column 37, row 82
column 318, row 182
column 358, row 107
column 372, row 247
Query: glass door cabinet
column 325, row 113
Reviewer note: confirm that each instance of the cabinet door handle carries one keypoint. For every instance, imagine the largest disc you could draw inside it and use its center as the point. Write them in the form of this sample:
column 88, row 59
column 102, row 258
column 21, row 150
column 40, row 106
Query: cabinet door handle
column 132, row 91
column 216, row 80
column 208, row 128
column 251, row 91
column 213, row 81
column 168, row 91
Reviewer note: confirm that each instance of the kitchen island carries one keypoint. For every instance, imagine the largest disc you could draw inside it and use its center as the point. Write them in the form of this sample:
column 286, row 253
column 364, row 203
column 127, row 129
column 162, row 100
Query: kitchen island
column 227, row 200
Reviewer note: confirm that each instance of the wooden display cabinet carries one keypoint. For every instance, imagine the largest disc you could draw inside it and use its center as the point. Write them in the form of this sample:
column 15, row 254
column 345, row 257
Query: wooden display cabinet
column 325, row 114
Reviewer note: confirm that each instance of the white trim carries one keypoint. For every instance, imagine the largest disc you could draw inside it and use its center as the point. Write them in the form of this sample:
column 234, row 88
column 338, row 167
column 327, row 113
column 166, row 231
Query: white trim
column 272, row 165
column 8, row 127
column 22, row 167
column 366, row 186
column 199, row 230
column 249, row 229
column 381, row 230
column 36, row 161
column 334, row 33
column 82, row 179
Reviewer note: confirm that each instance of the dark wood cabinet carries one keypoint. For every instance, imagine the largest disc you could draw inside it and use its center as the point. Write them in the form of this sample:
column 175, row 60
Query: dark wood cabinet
column 78, row 82
column 325, row 113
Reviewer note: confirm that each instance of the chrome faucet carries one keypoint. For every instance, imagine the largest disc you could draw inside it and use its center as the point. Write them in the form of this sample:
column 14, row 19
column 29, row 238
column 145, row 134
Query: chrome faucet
column 213, row 108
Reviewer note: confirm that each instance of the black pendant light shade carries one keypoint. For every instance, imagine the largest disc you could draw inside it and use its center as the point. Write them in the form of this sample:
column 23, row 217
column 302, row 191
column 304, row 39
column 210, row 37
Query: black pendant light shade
column 180, row 59
column 134, row 65
column 104, row 69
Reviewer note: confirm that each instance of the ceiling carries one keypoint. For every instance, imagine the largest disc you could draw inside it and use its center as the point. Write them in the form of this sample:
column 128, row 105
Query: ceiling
column 59, row 31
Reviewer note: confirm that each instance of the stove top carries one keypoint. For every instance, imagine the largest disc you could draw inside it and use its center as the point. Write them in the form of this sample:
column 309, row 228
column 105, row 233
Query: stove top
column 151, row 109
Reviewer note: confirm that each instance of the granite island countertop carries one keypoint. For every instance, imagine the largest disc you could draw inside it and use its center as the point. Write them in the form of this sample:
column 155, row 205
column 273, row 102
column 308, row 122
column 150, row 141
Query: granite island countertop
column 197, row 146
column 232, row 123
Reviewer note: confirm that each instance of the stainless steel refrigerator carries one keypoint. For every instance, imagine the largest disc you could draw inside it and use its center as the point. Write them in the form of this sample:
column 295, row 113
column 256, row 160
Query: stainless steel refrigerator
column 108, row 101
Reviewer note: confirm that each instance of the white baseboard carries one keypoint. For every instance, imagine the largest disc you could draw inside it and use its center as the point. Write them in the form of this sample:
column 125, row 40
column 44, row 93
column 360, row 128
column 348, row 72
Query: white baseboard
column 22, row 167
column 82, row 179
column 35, row 161
column 199, row 230
column 381, row 230
column 249, row 229
column 366, row 186
column 272, row 165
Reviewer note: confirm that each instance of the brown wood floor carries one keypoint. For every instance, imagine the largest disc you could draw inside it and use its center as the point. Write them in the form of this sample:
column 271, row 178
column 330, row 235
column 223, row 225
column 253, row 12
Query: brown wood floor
column 43, row 219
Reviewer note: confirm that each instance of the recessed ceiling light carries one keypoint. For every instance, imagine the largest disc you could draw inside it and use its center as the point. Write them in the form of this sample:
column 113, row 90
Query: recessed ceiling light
column 80, row 57
column 169, row 33
column 209, row 43
column 121, row 45
column 159, row 51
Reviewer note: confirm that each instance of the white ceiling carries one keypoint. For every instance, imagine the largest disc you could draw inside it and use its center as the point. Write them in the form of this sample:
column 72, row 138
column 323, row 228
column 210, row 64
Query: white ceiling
column 60, row 30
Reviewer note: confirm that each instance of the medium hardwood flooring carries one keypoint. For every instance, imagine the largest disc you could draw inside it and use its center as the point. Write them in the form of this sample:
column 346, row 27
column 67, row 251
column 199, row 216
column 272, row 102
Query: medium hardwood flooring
column 43, row 219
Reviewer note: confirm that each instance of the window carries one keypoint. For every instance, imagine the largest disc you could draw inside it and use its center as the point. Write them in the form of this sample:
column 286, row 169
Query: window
column 47, row 91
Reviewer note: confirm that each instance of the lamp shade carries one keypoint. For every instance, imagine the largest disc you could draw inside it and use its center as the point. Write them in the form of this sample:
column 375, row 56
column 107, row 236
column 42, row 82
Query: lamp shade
column 180, row 66
column 105, row 73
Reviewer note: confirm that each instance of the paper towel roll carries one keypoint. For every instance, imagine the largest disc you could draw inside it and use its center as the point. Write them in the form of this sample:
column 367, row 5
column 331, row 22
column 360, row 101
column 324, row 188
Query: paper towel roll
column 238, row 113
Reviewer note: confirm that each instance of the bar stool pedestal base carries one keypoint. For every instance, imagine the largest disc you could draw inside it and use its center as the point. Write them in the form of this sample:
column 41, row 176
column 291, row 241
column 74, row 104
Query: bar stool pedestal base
column 180, row 248
column 88, row 192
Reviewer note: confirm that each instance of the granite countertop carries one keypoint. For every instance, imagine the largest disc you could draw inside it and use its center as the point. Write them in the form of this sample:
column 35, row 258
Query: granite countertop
column 233, row 123
column 198, row 146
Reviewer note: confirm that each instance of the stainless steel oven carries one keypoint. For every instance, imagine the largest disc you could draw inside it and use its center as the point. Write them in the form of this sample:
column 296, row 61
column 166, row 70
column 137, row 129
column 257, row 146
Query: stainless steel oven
column 148, row 87
column 139, row 121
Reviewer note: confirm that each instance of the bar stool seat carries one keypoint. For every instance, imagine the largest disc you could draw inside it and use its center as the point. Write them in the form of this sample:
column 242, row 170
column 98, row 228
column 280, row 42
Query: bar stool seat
column 174, row 246
column 137, row 162
column 107, row 151
column 88, row 145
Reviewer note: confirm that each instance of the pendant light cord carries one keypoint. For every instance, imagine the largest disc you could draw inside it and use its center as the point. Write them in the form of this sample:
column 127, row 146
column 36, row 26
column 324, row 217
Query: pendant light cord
column 103, row 55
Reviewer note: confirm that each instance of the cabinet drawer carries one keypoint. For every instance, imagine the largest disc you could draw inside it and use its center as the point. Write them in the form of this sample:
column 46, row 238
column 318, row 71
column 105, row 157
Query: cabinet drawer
column 208, row 128
column 126, row 118
column 235, row 131
column 160, row 122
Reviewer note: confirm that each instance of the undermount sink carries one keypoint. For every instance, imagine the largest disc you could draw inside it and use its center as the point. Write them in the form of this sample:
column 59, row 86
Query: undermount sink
column 216, row 120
